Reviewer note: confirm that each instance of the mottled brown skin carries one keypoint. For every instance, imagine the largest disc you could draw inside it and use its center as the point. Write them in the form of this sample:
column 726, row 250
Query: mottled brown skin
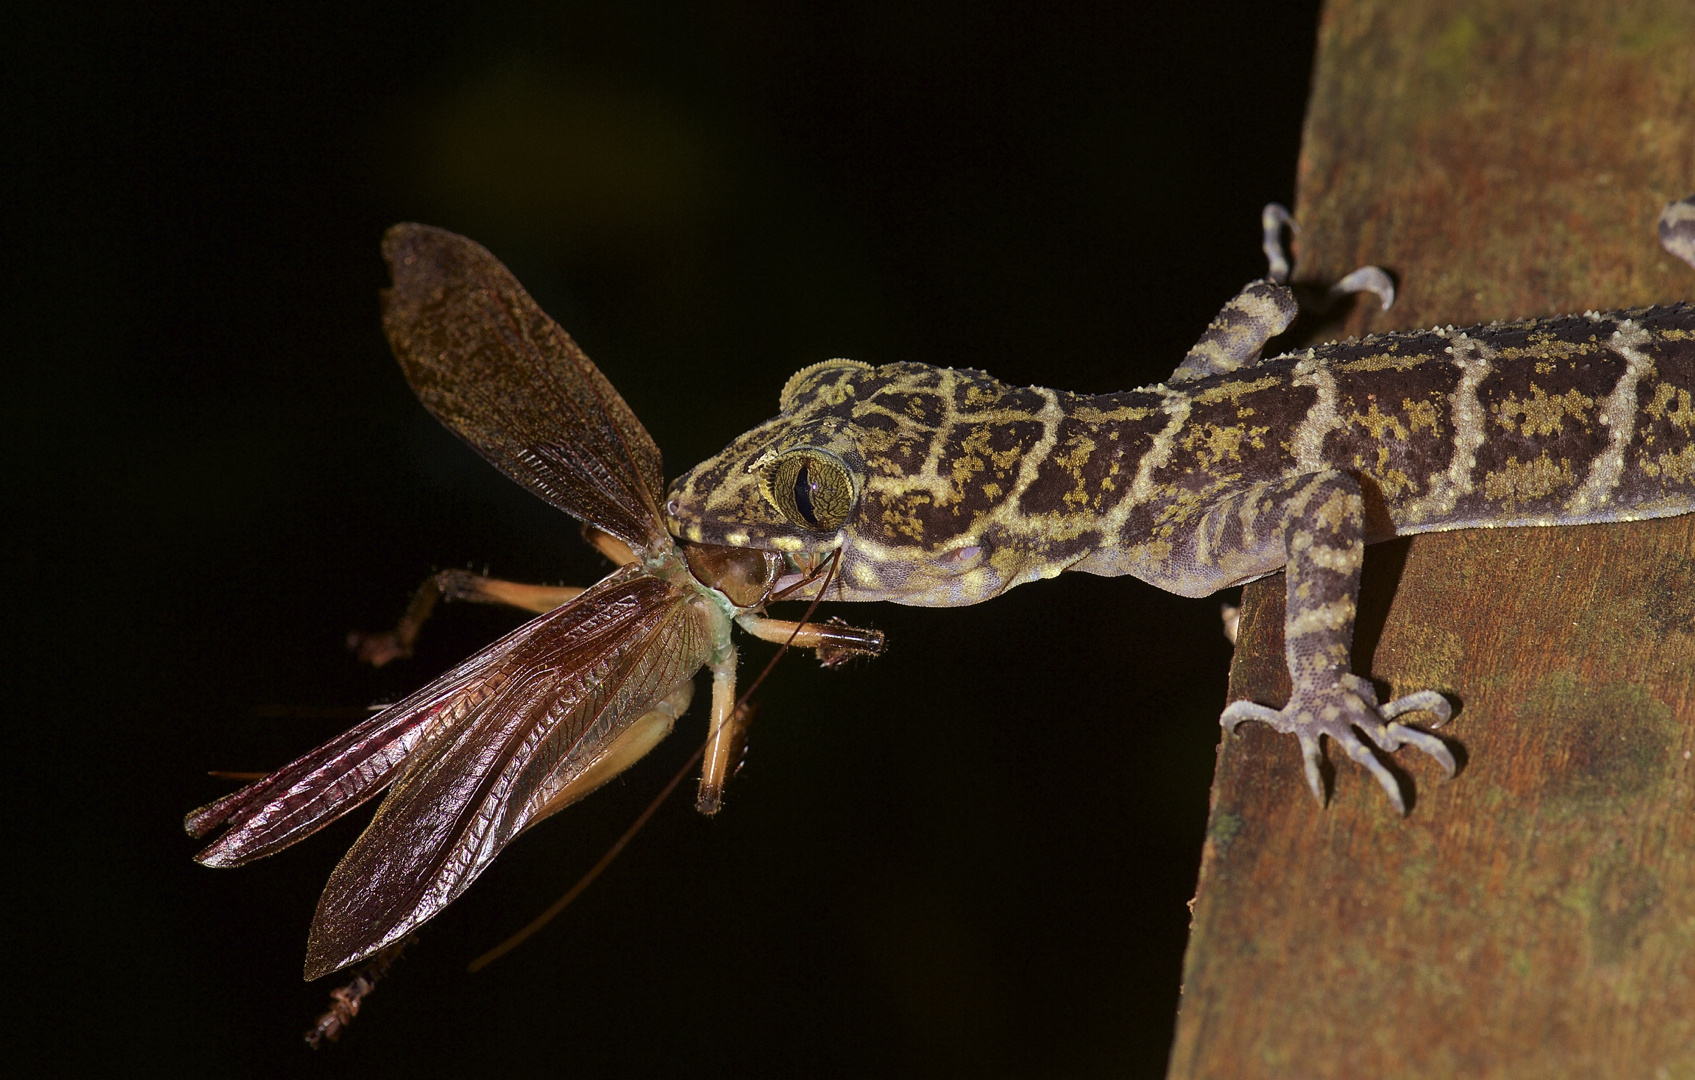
column 963, row 487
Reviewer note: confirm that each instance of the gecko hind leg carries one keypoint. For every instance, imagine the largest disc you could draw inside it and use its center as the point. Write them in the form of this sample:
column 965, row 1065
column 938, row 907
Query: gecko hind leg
column 1345, row 716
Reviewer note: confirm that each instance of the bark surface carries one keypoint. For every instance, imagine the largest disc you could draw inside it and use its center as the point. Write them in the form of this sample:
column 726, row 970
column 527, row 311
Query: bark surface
column 1534, row 917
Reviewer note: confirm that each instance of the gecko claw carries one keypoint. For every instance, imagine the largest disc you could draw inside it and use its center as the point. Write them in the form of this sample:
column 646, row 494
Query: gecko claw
column 1312, row 763
column 1369, row 279
column 1345, row 713
column 1272, row 221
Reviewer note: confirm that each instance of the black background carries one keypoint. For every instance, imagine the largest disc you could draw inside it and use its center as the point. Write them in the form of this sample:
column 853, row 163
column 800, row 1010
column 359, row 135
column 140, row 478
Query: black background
column 968, row 857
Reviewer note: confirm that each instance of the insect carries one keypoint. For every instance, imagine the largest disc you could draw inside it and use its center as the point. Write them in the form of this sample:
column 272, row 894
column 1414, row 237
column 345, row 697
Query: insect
column 943, row 487
column 557, row 707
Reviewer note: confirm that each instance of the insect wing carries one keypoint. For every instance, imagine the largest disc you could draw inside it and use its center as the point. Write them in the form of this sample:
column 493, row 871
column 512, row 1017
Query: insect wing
column 308, row 793
column 566, row 693
column 315, row 789
column 494, row 368
column 318, row 787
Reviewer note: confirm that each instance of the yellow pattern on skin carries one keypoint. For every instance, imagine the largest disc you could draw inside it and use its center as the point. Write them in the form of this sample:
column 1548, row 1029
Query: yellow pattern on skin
column 969, row 463
column 1548, row 349
column 1683, row 416
column 1543, row 415
column 1378, row 423
column 1421, row 414
column 1321, row 617
column 1394, row 482
column 1081, row 449
column 1214, row 443
column 900, row 519
column 1090, row 414
column 1677, row 465
column 1387, row 361
column 1517, row 482
column 1235, row 391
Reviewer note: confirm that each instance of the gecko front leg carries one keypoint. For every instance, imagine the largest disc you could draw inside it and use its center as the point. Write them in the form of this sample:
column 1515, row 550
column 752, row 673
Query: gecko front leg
column 1324, row 536
column 1237, row 335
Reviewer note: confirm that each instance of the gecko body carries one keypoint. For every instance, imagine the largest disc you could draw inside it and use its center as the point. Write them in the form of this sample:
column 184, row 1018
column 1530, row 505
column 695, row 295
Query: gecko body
column 943, row 487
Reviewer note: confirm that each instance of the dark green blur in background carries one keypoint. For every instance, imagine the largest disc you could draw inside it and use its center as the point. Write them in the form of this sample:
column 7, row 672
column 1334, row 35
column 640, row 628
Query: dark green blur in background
column 969, row 857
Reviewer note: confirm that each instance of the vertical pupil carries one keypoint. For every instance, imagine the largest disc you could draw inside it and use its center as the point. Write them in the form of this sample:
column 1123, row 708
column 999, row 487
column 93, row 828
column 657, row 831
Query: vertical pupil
column 803, row 496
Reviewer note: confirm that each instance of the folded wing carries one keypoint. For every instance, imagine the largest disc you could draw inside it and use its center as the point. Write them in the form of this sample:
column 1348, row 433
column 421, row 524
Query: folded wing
column 569, row 691
column 582, row 640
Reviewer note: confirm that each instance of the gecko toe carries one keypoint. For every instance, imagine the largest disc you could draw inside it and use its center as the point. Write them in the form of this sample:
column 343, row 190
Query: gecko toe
column 1363, row 755
column 1399, row 735
column 1311, row 761
column 1396, row 735
column 1348, row 713
column 1424, row 701
column 1238, row 711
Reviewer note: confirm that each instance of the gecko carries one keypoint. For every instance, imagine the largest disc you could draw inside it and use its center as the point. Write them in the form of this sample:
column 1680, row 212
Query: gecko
column 943, row 487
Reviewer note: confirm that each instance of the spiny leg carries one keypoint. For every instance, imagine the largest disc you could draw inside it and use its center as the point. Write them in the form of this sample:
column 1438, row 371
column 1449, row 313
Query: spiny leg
column 1324, row 534
column 379, row 648
column 625, row 749
column 726, row 739
column 834, row 641
column 726, row 735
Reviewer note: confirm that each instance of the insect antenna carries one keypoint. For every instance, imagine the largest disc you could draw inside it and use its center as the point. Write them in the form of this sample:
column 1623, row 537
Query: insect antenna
column 828, row 568
column 741, row 711
column 592, row 873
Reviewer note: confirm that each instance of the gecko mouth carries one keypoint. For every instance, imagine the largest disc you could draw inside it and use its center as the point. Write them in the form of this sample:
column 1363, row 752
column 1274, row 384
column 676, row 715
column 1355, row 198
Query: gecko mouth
column 803, row 568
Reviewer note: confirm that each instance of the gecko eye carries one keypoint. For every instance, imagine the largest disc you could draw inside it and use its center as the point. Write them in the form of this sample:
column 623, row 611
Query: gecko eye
column 810, row 488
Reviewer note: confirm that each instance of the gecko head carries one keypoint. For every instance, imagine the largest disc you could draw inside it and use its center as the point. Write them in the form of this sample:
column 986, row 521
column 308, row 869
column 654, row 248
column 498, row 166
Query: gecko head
column 791, row 484
column 849, row 465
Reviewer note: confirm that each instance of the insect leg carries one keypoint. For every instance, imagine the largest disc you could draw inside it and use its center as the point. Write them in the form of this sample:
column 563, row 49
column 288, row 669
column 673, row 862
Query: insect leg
column 835, row 641
column 379, row 648
column 727, row 736
column 628, row 747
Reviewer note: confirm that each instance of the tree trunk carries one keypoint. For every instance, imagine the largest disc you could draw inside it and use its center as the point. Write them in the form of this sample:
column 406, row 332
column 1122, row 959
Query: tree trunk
column 1536, row 916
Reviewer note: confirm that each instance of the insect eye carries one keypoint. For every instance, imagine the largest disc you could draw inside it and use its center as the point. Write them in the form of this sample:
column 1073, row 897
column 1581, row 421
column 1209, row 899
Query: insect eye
column 812, row 490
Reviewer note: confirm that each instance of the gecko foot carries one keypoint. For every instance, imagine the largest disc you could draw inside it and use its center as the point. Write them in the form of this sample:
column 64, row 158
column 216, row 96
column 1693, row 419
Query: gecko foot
column 1345, row 712
column 1275, row 218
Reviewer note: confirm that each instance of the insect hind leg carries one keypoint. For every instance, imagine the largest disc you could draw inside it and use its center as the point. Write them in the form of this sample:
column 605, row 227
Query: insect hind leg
column 378, row 649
